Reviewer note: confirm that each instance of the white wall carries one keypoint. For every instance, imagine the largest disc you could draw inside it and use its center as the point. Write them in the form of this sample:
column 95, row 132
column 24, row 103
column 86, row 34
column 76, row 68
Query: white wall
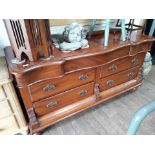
column 4, row 40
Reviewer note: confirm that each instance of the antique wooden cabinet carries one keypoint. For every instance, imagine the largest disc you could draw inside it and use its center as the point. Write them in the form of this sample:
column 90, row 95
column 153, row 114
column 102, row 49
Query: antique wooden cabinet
column 71, row 82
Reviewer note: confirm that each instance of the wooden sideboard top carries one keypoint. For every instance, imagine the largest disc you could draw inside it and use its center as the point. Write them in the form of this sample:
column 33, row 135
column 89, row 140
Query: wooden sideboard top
column 96, row 47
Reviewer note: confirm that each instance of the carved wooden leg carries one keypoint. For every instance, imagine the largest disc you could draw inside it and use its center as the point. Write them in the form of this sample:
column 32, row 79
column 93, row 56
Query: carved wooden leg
column 140, row 74
column 33, row 121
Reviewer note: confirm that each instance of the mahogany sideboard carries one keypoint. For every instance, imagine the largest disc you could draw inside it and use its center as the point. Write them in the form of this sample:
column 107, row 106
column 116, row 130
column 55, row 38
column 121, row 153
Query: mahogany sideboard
column 68, row 83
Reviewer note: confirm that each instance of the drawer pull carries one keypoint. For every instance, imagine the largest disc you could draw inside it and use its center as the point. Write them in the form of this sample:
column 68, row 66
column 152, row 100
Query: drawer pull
column 52, row 104
column 134, row 61
column 83, row 92
column 49, row 87
column 110, row 82
column 113, row 67
column 83, row 77
column 130, row 74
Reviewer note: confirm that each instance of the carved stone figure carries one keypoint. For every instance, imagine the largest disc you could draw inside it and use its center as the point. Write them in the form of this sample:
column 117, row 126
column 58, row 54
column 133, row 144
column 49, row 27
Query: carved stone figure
column 72, row 38
column 147, row 65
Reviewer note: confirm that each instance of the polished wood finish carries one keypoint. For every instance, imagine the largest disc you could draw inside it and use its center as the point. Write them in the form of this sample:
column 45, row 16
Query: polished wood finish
column 72, row 109
column 50, row 88
column 63, row 99
column 116, row 79
column 113, row 116
column 53, row 86
column 120, row 65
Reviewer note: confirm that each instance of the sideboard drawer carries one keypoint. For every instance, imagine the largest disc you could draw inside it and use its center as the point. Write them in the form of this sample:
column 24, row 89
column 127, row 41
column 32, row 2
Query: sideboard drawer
column 116, row 79
column 61, row 100
column 120, row 65
column 50, row 87
column 142, row 47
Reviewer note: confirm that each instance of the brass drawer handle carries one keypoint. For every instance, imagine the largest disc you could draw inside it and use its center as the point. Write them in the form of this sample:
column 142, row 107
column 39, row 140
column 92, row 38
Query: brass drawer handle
column 110, row 82
column 130, row 74
column 83, row 92
column 134, row 61
column 113, row 68
column 83, row 77
column 48, row 88
column 52, row 104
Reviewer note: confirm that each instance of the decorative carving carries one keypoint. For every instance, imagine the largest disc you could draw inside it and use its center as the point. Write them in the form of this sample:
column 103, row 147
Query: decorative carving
column 96, row 90
column 134, row 61
column 130, row 74
column 32, row 117
column 140, row 74
column 30, row 38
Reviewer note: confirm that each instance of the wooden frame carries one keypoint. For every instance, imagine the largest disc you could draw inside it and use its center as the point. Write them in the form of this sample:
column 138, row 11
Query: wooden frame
column 30, row 38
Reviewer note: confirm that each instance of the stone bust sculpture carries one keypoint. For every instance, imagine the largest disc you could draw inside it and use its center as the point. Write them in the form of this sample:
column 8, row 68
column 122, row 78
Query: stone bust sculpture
column 73, row 38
